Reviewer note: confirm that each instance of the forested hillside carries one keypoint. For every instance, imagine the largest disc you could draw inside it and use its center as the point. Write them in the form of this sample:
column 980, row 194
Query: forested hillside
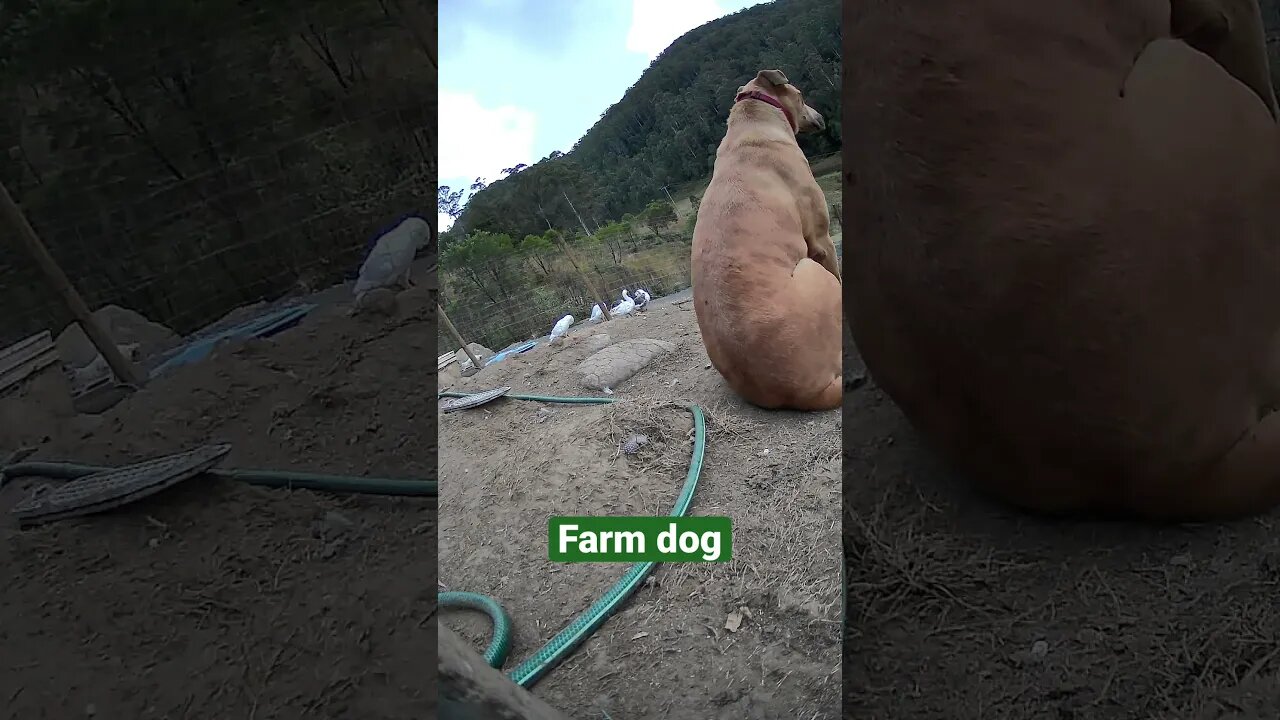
column 183, row 158
column 665, row 128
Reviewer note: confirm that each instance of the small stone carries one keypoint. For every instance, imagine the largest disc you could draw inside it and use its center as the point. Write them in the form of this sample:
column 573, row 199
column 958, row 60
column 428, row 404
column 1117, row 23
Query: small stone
column 330, row 525
column 331, row 549
column 337, row 520
column 1039, row 648
column 632, row 445
column 379, row 301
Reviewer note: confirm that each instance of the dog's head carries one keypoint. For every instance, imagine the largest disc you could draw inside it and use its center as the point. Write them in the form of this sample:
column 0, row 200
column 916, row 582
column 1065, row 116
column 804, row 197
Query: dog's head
column 774, row 83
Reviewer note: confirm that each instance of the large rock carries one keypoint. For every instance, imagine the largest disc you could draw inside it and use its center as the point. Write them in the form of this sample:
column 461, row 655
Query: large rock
column 125, row 327
column 480, row 351
column 613, row 365
column 596, row 342
column 377, row 302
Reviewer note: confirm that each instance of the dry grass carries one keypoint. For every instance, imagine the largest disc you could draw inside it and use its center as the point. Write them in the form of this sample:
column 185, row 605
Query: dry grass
column 668, row 652
column 905, row 571
column 961, row 608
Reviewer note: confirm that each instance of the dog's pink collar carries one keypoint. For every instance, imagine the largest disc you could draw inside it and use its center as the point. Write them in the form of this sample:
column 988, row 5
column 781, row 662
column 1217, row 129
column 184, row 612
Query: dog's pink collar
column 767, row 98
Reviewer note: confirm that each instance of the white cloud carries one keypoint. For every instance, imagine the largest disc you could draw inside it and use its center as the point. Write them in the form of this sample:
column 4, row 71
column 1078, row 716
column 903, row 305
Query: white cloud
column 476, row 141
column 479, row 142
column 655, row 24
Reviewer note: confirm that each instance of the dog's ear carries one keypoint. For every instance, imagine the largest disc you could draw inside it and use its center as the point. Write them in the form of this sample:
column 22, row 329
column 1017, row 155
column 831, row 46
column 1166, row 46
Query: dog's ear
column 773, row 77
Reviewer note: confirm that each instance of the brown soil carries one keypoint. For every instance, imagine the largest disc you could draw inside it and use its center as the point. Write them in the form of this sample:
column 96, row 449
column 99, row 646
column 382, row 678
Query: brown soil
column 507, row 466
column 219, row 599
column 963, row 608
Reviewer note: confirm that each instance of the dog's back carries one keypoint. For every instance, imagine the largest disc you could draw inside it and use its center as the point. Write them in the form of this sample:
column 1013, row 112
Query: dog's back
column 1061, row 270
column 773, row 335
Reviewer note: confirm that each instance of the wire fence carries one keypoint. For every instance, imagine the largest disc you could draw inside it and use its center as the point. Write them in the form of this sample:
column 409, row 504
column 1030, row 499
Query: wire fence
column 518, row 293
column 183, row 160
column 521, row 295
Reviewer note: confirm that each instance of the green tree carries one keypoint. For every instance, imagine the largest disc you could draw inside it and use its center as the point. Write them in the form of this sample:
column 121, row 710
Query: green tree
column 482, row 258
column 614, row 236
column 658, row 214
column 534, row 199
column 539, row 248
column 449, row 201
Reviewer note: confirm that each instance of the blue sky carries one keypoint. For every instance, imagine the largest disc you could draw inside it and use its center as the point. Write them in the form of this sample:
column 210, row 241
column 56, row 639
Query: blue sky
column 522, row 78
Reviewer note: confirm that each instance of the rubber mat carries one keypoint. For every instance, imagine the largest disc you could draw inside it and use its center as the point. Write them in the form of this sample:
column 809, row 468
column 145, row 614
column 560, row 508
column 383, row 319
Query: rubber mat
column 116, row 487
column 474, row 399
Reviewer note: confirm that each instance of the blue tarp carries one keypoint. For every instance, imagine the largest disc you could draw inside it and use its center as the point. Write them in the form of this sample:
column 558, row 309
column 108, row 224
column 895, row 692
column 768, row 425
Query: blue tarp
column 261, row 326
column 513, row 350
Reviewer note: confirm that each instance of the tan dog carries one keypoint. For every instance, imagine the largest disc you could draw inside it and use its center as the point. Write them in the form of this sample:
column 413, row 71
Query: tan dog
column 1066, row 270
column 766, row 280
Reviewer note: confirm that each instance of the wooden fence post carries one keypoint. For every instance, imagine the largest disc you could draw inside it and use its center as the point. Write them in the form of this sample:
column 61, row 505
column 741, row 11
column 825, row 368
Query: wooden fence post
column 591, row 288
column 448, row 324
column 13, row 215
column 471, row 690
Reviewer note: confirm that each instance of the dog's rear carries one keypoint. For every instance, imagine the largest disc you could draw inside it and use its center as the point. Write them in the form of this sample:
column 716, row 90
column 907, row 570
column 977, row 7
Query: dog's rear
column 1064, row 271
column 765, row 274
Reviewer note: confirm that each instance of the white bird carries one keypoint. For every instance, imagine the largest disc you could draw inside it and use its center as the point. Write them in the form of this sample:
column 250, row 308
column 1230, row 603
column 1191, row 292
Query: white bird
column 626, row 307
column 642, row 299
column 561, row 327
column 392, row 255
column 596, row 315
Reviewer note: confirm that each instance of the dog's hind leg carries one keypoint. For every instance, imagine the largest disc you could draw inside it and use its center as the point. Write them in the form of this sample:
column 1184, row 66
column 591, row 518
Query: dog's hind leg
column 823, row 252
column 817, row 336
column 829, row 398
column 1243, row 482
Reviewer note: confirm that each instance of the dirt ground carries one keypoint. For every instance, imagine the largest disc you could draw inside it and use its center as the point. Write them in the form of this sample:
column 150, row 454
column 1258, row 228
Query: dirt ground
column 222, row 600
column 963, row 608
column 507, row 466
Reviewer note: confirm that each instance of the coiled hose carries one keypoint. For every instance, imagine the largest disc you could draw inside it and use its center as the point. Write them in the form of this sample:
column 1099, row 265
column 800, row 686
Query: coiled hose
column 582, row 627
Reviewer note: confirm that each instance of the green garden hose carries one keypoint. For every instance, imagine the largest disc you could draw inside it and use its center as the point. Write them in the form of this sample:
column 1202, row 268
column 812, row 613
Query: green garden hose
column 567, row 640
column 500, row 645
column 265, row 478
